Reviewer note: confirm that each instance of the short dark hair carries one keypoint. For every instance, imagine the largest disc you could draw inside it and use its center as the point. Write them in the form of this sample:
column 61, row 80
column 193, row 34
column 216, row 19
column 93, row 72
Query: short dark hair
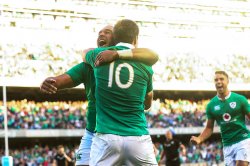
column 222, row 72
column 125, row 31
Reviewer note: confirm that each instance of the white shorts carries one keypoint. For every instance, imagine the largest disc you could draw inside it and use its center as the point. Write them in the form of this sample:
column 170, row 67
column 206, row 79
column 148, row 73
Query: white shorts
column 83, row 153
column 238, row 151
column 114, row 150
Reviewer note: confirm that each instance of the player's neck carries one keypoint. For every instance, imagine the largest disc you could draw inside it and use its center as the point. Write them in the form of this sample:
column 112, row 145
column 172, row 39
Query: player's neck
column 224, row 95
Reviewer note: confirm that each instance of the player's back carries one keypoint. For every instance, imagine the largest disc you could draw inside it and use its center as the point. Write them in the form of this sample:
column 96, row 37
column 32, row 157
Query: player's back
column 121, row 87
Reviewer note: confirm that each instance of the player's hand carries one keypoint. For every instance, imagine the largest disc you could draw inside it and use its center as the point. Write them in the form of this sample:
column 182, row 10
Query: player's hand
column 48, row 86
column 106, row 57
column 195, row 140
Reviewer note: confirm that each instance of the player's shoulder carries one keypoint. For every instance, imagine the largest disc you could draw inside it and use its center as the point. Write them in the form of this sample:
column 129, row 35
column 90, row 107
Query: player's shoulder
column 146, row 68
column 236, row 94
column 120, row 47
column 99, row 49
column 176, row 140
column 82, row 67
column 213, row 101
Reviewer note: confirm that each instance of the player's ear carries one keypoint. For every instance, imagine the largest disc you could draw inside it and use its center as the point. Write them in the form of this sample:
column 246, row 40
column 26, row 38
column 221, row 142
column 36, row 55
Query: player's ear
column 136, row 42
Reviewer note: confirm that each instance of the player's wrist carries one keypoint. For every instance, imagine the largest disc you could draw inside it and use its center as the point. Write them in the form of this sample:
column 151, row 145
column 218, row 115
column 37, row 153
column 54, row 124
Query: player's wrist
column 125, row 54
column 116, row 55
column 200, row 140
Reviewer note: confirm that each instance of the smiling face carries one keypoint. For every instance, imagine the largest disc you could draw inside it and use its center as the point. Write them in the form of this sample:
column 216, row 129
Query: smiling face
column 105, row 36
column 221, row 83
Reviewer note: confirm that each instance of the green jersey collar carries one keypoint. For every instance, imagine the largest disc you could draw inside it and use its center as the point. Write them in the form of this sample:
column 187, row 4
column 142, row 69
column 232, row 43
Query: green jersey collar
column 125, row 45
column 225, row 97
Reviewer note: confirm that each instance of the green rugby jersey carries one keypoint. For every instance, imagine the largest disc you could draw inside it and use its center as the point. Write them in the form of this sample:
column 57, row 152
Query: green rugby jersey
column 83, row 73
column 121, row 87
column 230, row 116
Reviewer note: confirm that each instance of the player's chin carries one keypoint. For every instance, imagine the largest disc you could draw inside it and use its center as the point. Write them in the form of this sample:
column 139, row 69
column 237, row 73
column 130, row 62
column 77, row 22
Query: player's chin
column 220, row 91
column 104, row 45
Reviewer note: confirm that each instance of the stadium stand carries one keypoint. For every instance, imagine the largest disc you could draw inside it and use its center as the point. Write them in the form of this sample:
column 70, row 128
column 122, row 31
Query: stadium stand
column 71, row 115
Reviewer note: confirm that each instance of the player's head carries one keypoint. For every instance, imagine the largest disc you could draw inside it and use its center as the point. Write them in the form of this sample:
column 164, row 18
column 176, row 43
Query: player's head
column 169, row 135
column 60, row 149
column 126, row 31
column 221, row 82
column 105, row 36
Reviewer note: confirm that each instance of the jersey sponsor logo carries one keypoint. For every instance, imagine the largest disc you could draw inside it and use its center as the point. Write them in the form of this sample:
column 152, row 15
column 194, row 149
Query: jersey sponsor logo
column 226, row 117
column 216, row 108
column 232, row 104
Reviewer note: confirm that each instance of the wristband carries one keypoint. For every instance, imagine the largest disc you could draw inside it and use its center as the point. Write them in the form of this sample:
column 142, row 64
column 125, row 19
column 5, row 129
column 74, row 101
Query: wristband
column 125, row 54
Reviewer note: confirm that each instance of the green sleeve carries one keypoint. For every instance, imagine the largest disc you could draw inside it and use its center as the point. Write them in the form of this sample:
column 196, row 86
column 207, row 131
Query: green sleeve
column 150, row 82
column 246, row 106
column 77, row 73
column 208, row 112
column 90, row 57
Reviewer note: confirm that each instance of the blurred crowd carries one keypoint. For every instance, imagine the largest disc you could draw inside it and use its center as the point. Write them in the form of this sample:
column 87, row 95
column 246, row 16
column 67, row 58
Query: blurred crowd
column 38, row 60
column 39, row 155
column 48, row 59
column 191, row 68
column 72, row 115
column 208, row 152
column 46, row 115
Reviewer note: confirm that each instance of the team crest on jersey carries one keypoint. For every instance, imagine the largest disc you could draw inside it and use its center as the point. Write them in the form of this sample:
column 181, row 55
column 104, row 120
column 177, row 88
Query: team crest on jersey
column 226, row 117
column 232, row 104
column 216, row 108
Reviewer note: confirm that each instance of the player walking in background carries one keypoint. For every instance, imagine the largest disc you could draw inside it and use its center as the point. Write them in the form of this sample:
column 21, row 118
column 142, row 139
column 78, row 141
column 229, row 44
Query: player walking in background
column 83, row 73
column 228, row 109
column 171, row 150
column 61, row 158
column 123, row 91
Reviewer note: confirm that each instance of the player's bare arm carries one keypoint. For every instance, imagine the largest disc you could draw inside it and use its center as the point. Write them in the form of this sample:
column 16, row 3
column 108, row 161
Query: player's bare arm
column 162, row 156
column 206, row 133
column 54, row 163
column 143, row 55
column 183, row 148
column 67, row 157
column 51, row 84
column 148, row 100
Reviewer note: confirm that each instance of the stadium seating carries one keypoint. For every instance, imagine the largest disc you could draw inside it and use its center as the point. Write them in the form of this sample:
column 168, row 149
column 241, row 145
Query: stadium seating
column 72, row 115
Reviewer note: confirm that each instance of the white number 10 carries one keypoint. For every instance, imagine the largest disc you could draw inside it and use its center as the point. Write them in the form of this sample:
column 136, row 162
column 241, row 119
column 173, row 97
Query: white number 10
column 117, row 75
